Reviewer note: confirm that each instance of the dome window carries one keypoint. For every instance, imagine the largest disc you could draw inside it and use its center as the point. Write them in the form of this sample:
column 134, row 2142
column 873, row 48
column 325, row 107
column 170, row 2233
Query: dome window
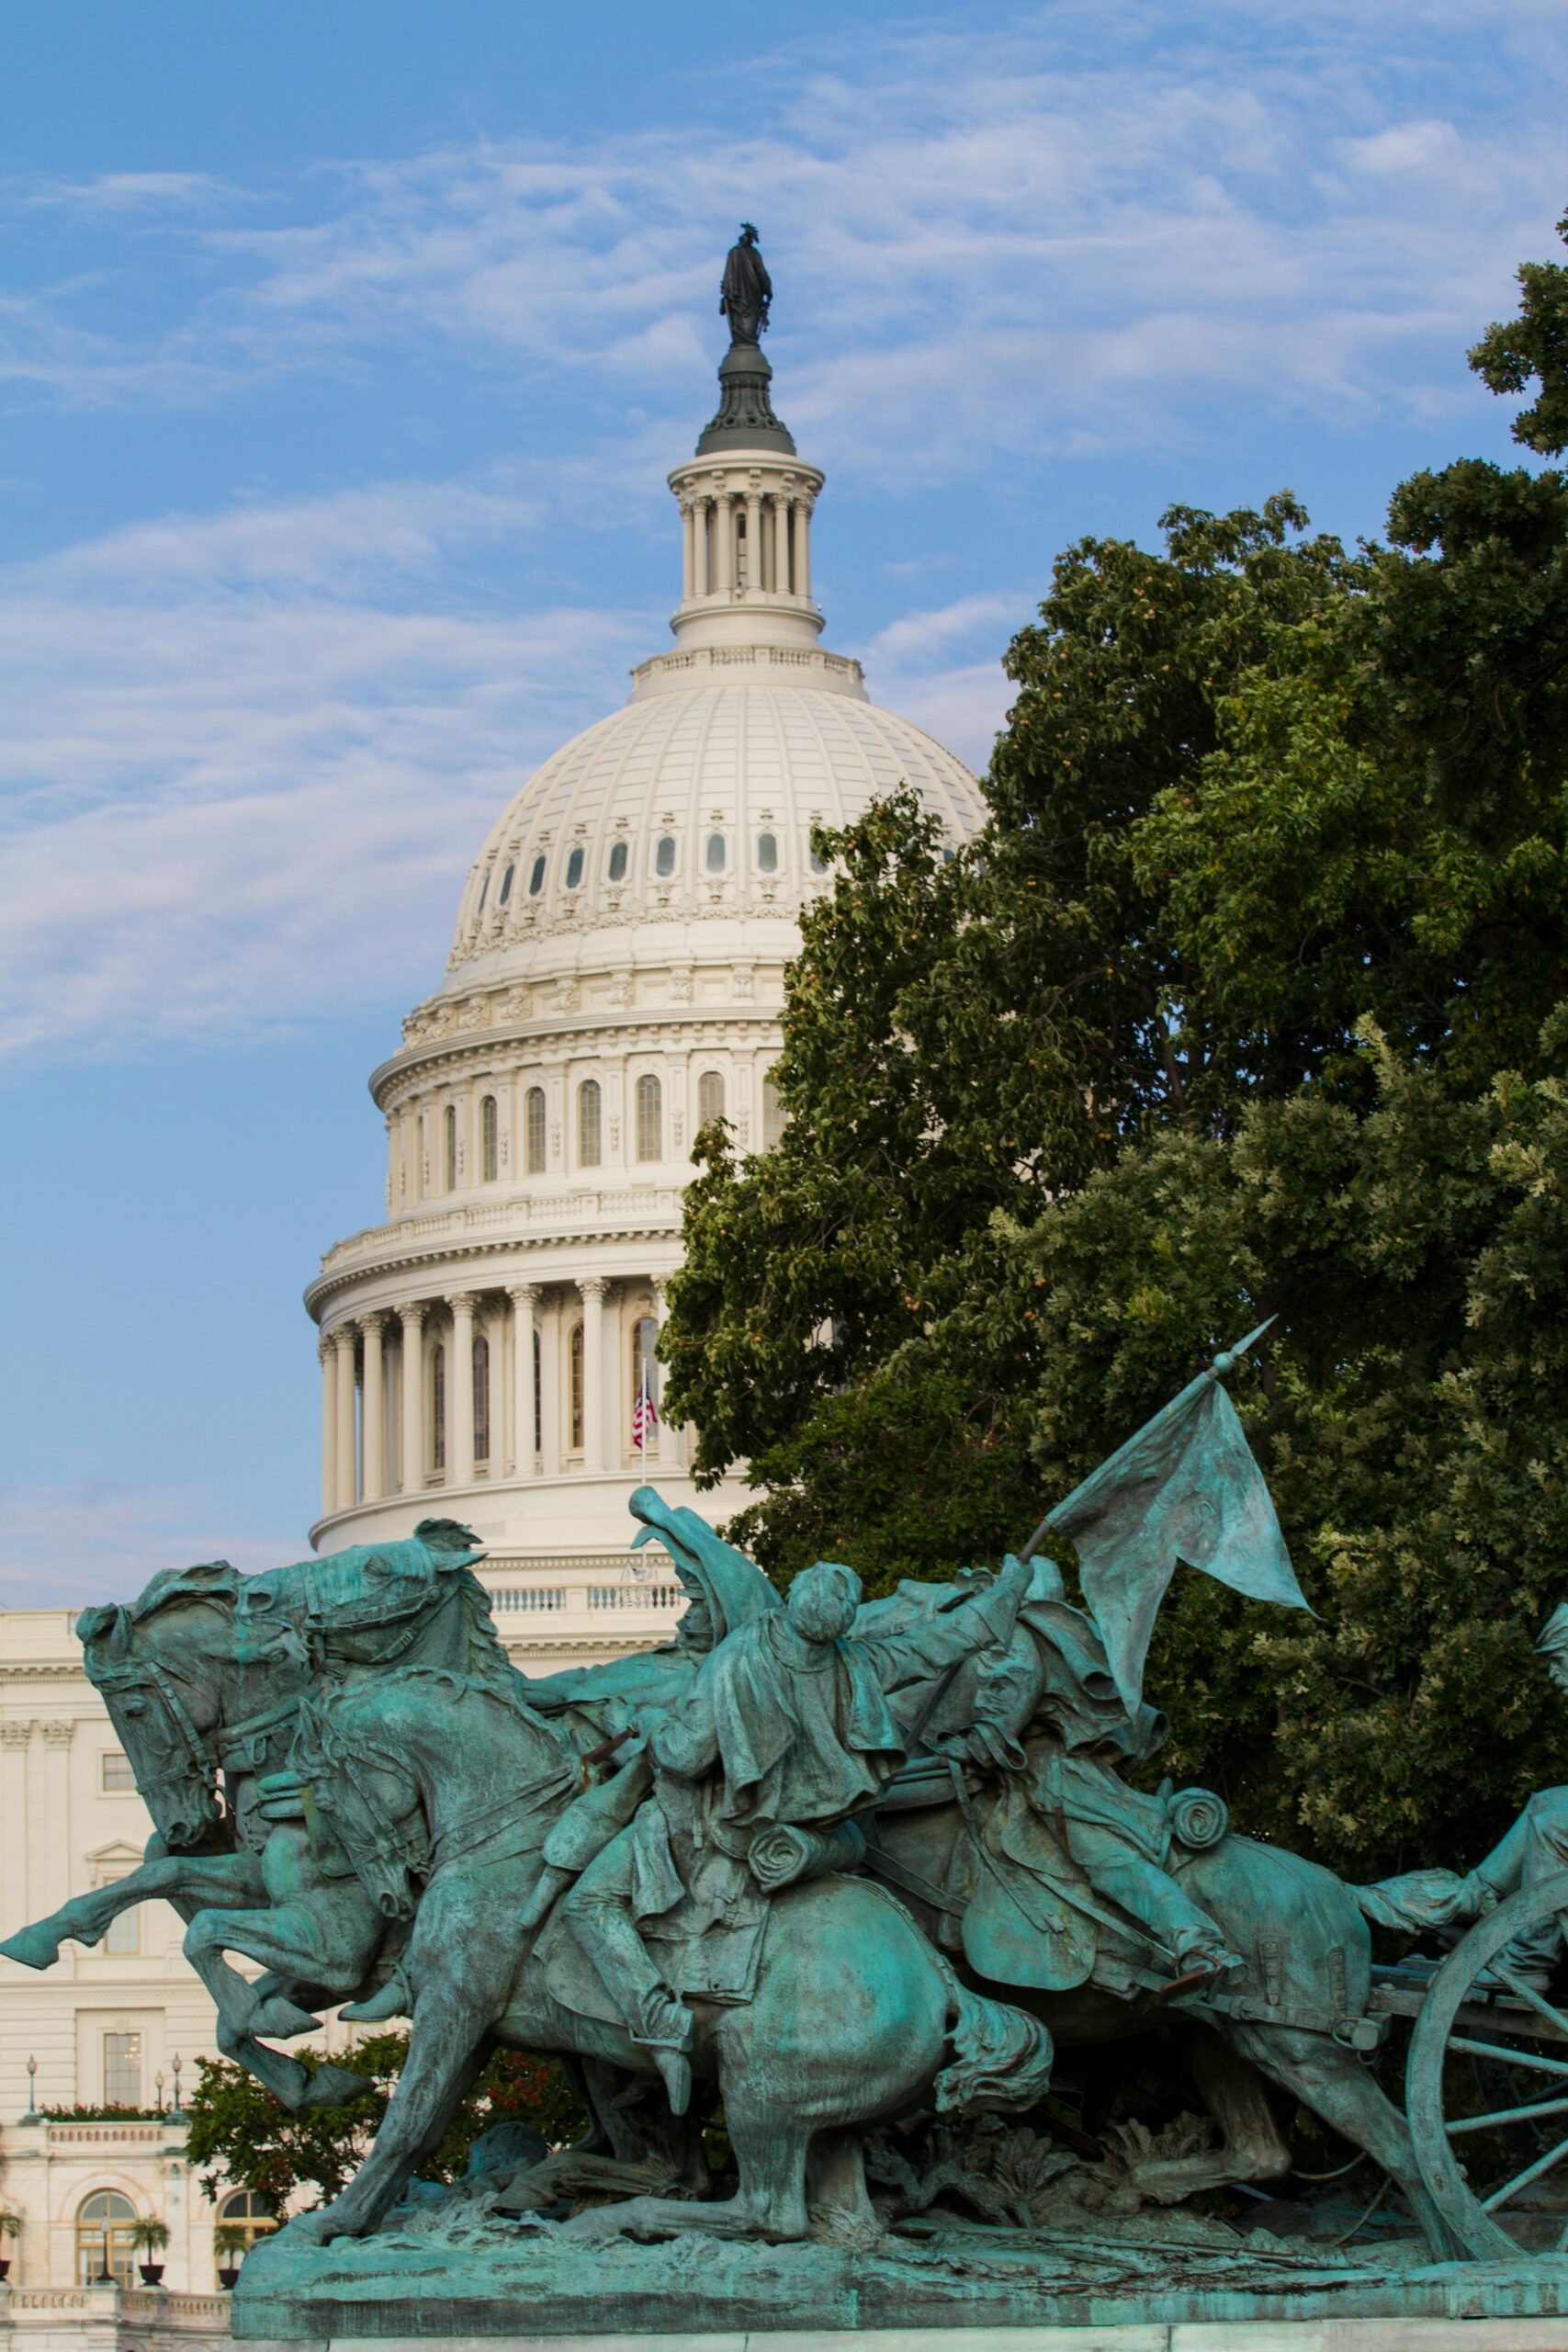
column 484, row 893
column 537, row 879
column 710, row 1097
column 534, row 1131
column 650, row 1101
column 767, row 853
column 590, row 1128
column 819, row 863
column 715, row 854
column 490, row 1140
column 574, row 869
column 506, row 885
column 618, row 862
column 664, row 857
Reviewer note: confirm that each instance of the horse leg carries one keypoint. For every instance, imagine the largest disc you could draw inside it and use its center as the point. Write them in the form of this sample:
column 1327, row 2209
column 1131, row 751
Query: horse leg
column 86, row 1918
column 836, row 2194
column 1252, row 2146
column 1335, row 2083
column 771, row 2152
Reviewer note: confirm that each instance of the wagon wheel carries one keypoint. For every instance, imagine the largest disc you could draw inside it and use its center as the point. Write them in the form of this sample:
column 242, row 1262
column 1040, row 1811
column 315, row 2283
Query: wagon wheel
column 1530, row 2036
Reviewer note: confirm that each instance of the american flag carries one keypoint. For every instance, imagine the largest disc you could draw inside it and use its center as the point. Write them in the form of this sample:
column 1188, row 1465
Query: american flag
column 645, row 1418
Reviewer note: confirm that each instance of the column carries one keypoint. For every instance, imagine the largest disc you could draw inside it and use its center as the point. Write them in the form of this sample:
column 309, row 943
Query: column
column 415, row 1447
column 688, row 550
column 495, row 1334
column 58, row 1845
column 753, row 539
column 14, row 1911
column 374, row 1435
column 460, row 1390
column 593, row 1288
column 700, row 547
column 346, row 1482
column 328, row 1355
column 802, row 550
column 723, row 544
column 524, row 1298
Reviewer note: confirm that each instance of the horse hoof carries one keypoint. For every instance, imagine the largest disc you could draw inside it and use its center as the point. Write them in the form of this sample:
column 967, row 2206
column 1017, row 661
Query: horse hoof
column 31, row 1947
column 335, row 2087
column 283, row 2018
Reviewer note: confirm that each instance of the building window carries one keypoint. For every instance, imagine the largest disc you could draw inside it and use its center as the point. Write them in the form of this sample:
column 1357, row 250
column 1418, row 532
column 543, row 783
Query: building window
column 767, row 853
column 438, row 1406
column 490, row 1140
column 451, row 1127
column 123, row 1935
column 589, row 1148
column 104, row 2224
column 536, row 878
column 575, row 1359
column 664, row 856
column 772, row 1116
column 481, row 1398
column 539, row 1393
column 243, row 2210
column 506, row 884
column 649, row 1118
column 115, row 1774
column 484, row 893
column 618, row 862
column 122, row 2070
column 710, row 1097
column 574, row 869
column 715, row 854
column 534, row 1131
column 645, row 1378
column 819, row 863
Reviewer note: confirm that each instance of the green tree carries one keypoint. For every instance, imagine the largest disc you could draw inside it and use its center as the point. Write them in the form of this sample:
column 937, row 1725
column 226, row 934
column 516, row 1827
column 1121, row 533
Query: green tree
column 1534, row 348
column 1246, row 1000
column 247, row 2139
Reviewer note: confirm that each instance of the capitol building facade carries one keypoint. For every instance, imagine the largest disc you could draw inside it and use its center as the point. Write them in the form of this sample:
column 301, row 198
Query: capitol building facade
column 489, row 1348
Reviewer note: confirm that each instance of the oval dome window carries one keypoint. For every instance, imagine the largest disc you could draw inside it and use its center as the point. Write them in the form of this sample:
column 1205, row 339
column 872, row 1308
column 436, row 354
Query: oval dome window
column 715, row 854
column 819, row 863
column 664, row 855
column 537, row 879
column 574, row 869
column 767, row 853
column 618, row 862
column 506, row 884
column 484, row 893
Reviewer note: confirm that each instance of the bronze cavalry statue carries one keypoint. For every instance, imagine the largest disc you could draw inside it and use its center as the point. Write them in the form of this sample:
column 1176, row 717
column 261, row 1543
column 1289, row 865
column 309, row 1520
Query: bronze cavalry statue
column 833, row 1863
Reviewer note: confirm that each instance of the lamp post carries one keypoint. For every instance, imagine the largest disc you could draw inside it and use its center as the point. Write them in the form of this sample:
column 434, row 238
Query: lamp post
column 32, row 2115
column 174, row 2108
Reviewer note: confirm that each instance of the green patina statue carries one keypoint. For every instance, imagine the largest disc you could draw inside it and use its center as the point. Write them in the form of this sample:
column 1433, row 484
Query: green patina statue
column 836, row 1864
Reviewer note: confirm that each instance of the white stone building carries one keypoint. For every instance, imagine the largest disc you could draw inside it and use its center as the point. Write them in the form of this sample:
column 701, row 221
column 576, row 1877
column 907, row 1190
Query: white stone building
column 615, row 981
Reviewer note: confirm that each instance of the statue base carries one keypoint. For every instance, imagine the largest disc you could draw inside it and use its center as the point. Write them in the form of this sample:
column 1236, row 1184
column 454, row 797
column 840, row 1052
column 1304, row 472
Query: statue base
column 1174, row 2282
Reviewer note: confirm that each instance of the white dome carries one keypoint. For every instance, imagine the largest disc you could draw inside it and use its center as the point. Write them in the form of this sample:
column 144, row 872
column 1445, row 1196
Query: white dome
column 695, row 802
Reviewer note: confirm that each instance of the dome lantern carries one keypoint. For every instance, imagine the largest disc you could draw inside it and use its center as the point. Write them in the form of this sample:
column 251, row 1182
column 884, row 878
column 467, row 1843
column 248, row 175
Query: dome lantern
column 745, row 498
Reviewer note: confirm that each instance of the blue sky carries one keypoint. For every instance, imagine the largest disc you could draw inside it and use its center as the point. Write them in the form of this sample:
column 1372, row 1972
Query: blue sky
column 343, row 351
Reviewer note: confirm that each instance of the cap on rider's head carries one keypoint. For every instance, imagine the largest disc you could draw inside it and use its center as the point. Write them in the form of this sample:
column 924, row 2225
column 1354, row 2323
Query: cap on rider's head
column 823, row 1601
column 1552, row 1639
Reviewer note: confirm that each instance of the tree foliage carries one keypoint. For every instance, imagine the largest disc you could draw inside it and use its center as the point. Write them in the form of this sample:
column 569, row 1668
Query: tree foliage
column 1248, row 1000
column 247, row 2139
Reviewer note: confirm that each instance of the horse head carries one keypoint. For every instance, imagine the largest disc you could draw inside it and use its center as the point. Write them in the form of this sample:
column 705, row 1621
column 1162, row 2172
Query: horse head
column 159, row 1663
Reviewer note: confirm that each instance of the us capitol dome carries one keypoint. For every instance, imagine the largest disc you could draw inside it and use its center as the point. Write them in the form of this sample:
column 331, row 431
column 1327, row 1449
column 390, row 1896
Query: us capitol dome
column 615, row 982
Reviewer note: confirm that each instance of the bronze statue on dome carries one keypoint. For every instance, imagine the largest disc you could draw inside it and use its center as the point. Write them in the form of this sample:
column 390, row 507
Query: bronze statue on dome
column 748, row 291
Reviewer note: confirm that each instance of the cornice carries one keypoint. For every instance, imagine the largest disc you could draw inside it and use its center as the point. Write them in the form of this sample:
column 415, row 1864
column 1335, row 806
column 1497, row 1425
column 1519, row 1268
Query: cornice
column 333, row 1280
column 593, row 1030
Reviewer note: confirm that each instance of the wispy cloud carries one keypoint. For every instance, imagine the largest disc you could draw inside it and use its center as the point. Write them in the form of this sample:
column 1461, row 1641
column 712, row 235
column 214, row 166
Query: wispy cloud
column 62, row 1547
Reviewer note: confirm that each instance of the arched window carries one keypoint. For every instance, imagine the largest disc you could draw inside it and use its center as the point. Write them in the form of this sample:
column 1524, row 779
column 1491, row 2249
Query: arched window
column 575, row 1386
column 710, row 1097
column 243, row 2210
column 645, row 1383
column 490, row 1140
column 589, row 1125
column 772, row 1116
column 649, row 1118
column 664, row 856
column 506, row 894
column 451, row 1126
column 534, row 1131
column 104, row 2224
column 819, row 863
column 574, row 869
column 481, row 1398
column 538, row 1392
column 767, row 853
column 536, row 878
column 714, row 854
column 618, row 862
column 484, row 893
column 438, row 1406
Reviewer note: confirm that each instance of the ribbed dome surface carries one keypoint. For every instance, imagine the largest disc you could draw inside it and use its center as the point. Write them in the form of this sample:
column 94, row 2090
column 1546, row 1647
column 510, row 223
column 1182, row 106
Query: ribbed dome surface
column 697, row 800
